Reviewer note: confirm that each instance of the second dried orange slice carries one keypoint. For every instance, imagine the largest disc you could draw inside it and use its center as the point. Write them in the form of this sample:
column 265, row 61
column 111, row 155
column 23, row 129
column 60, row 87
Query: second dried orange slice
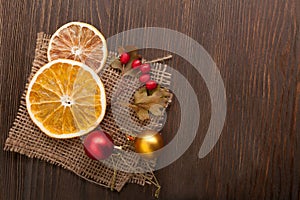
column 66, row 99
column 80, row 42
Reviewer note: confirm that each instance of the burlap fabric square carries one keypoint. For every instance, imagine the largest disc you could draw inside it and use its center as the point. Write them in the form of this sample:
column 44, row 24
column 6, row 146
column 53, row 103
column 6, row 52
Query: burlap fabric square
column 27, row 139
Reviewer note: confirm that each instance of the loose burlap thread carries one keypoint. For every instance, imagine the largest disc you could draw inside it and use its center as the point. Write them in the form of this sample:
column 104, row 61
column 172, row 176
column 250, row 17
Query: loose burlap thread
column 27, row 139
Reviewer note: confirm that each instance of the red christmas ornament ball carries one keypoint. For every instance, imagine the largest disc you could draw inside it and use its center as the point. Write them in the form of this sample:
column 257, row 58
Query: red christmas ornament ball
column 98, row 145
column 124, row 58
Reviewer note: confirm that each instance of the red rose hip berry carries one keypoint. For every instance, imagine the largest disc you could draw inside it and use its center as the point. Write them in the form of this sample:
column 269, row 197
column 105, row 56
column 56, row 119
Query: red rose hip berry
column 144, row 78
column 151, row 85
column 136, row 63
column 145, row 68
column 124, row 58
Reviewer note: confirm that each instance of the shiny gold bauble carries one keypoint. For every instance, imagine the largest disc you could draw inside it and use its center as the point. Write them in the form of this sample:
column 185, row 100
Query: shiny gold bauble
column 147, row 142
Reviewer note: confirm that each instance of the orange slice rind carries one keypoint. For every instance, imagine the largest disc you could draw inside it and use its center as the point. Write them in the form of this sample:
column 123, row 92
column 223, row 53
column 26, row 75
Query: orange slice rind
column 66, row 99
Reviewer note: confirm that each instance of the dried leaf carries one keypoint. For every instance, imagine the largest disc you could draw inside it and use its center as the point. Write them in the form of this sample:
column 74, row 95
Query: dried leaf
column 143, row 114
column 132, row 73
column 141, row 93
column 121, row 50
column 128, row 66
column 140, row 111
column 130, row 48
column 153, row 103
column 116, row 64
column 156, row 109
column 158, row 96
column 134, row 55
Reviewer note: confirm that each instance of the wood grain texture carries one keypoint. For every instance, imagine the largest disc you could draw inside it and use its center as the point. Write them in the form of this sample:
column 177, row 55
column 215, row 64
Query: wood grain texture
column 255, row 44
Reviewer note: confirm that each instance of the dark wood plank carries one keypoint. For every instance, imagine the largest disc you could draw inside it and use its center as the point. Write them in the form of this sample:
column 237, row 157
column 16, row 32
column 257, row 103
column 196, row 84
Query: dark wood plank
column 255, row 44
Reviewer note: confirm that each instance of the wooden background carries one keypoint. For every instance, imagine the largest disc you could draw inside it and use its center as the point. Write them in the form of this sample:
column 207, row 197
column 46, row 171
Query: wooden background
column 255, row 44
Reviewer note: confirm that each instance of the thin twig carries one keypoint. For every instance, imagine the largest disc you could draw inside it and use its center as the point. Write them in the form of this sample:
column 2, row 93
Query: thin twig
column 160, row 59
column 155, row 182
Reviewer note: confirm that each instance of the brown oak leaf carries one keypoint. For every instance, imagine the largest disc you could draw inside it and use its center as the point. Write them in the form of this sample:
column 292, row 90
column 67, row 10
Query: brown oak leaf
column 153, row 103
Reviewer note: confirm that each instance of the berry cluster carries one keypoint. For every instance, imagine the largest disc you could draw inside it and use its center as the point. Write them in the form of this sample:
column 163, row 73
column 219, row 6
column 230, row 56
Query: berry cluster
column 143, row 67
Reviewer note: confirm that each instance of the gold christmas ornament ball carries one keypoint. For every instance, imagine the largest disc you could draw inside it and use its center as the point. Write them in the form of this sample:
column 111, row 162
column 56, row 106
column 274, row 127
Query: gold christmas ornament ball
column 147, row 142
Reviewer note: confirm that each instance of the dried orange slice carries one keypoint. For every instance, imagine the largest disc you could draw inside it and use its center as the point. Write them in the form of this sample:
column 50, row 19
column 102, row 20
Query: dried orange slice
column 80, row 42
column 66, row 99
